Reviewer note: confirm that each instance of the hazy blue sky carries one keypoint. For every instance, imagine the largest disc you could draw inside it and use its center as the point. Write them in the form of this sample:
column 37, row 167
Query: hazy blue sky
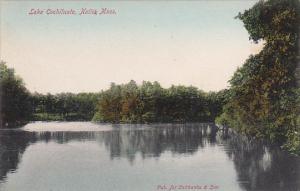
column 189, row 43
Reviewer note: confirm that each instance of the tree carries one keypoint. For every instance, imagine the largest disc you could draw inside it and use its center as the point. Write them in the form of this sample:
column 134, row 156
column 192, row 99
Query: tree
column 149, row 102
column 15, row 102
column 263, row 91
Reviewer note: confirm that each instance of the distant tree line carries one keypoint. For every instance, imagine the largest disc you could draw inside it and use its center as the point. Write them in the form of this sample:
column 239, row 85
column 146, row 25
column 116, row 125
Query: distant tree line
column 126, row 103
column 149, row 102
column 64, row 106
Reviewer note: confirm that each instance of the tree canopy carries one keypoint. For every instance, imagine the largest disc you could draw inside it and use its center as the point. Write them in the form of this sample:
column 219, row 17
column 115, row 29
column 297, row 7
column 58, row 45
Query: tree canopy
column 15, row 107
column 263, row 93
column 150, row 102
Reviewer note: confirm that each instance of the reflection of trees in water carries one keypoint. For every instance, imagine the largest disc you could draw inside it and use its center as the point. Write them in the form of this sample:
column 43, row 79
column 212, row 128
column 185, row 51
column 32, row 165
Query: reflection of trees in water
column 157, row 139
column 261, row 167
column 127, row 141
column 258, row 166
column 124, row 142
column 65, row 137
column 12, row 146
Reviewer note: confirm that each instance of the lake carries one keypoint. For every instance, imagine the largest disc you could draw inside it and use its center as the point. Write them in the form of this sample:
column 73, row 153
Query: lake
column 63, row 156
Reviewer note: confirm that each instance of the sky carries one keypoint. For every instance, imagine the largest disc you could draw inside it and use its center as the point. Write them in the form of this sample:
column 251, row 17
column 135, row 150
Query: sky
column 197, row 43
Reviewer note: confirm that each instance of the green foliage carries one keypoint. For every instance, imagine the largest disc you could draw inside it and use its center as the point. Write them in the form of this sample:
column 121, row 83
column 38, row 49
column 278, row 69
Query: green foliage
column 97, row 117
column 64, row 106
column 15, row 107
column 47, row 117
column 263, row 91
column 293, row 136
column 293, row 142
column 130, row 103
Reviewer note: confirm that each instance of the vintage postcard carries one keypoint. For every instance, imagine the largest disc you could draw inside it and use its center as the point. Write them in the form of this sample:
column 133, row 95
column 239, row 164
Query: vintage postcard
column 147, row 95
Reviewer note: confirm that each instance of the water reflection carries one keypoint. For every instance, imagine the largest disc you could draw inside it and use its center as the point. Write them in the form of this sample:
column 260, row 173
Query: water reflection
column 257, row 165
column 12, row 146
column 260, row 166
column 154, row 141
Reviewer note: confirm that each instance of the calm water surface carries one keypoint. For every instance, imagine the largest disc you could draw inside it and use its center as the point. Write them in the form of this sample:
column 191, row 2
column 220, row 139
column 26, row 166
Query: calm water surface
column 62, row 156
